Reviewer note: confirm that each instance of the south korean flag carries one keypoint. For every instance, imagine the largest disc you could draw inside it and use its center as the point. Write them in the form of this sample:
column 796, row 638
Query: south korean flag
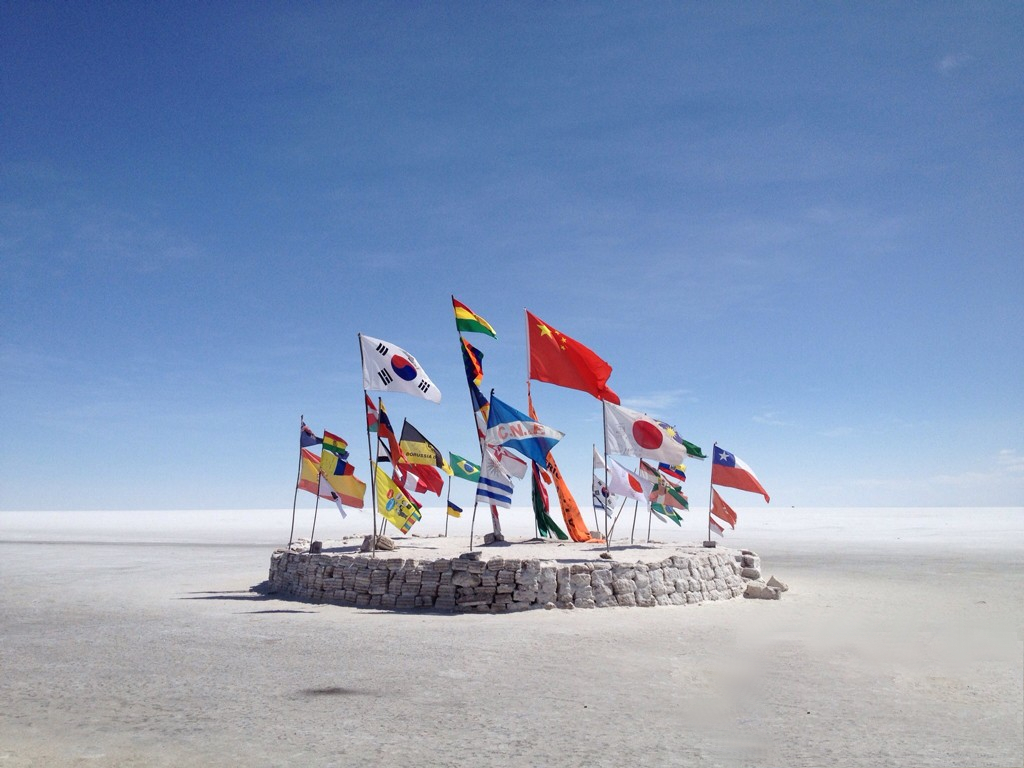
column 389, row 368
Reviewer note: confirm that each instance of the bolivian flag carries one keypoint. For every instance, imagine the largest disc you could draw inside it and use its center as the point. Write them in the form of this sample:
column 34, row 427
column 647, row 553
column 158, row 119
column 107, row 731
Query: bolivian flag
column 468, row 321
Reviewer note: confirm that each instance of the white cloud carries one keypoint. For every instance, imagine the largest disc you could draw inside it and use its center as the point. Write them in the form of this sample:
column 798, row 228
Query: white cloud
column 659, row 401
column 952, row 62
column 1010, row 462
column 771, row 418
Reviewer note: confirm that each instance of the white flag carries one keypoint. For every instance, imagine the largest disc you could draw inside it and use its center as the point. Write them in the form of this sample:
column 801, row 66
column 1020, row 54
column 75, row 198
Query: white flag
column 598, row 460
column 494, row 485
column 327, row 492
column 512, row 464
column 631, row 433
column 603, row 499
column 628, row 484
column 390, row 368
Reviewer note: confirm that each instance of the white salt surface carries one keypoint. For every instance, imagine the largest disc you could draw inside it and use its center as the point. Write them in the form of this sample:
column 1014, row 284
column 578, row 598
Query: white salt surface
column 131, row 638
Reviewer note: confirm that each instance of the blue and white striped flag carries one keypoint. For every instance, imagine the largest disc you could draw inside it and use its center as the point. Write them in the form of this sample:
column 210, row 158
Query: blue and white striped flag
column 494, row 486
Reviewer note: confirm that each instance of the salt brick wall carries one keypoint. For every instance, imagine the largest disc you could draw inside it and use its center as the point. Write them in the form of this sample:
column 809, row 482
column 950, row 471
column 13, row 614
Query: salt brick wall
column 504, row 585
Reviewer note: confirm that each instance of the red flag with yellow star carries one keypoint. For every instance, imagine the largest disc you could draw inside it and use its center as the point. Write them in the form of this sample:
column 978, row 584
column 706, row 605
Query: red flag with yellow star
column 557, row 359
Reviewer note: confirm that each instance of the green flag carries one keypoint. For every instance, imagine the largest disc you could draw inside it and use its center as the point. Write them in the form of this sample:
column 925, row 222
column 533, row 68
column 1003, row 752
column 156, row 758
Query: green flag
column 463, row 468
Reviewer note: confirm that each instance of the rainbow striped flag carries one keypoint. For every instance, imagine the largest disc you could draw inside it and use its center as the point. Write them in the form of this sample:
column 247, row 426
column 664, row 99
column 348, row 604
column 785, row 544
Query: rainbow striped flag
column 468, row 321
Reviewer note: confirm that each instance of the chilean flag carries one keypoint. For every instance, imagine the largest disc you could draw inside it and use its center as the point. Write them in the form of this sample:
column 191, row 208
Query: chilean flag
column 729, row 470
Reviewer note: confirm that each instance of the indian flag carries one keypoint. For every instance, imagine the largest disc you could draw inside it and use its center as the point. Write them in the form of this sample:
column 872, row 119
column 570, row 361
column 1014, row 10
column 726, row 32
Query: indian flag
column 468, row 321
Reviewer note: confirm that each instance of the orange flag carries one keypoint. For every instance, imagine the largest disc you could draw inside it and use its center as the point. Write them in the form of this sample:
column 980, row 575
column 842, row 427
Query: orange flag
column 721, row 510
column 570, row 510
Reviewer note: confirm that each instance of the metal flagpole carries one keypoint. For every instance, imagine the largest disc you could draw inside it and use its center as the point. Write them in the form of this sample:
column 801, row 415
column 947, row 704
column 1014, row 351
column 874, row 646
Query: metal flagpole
column 593, row 498
column 604, row 425
column 369, row 450
column 617, row 514
column 711, row 490
column 316, row 508
column 298, row 475
column 636, row 506
column 650, row 517
column 472, row 524
column 447, row 505
column 472, row 407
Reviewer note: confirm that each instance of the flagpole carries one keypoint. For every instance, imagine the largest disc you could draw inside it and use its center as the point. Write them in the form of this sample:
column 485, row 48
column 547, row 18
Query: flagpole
column 636, row 506
column 298, row 476
column 604, row 425
column 316, row 508
column 711, row 492
column 480, row 439
column 617, row 514
column 650, row 517
column 472, row 524
column 370, row 452
column 593, row 498
column 447, row 505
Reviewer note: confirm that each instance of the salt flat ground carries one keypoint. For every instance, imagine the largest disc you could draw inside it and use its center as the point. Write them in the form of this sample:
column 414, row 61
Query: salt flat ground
column 133, row 639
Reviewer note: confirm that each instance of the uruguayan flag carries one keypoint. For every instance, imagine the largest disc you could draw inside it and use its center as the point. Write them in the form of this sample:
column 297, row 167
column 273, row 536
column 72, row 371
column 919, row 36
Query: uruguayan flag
column 494, row 486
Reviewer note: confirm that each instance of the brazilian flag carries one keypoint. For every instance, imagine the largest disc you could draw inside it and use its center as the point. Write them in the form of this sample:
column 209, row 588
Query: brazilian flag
column 464, row 468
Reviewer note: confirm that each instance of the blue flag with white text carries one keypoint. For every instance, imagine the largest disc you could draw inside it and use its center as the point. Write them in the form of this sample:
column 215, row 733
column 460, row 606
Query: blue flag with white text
column 514, row 429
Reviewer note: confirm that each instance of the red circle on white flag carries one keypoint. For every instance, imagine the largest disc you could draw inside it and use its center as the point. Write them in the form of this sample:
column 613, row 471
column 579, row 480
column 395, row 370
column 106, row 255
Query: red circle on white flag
column 647, row 435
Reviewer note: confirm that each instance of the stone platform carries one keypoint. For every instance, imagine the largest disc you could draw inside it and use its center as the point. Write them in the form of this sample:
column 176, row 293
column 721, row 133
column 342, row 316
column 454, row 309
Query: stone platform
column 483, row 583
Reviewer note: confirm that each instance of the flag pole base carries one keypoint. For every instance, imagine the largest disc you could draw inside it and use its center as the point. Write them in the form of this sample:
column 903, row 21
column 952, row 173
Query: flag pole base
column 710, row 544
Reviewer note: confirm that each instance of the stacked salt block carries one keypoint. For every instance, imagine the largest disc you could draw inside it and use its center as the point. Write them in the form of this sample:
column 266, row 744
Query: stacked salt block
column 757, row 587
column 468, row 584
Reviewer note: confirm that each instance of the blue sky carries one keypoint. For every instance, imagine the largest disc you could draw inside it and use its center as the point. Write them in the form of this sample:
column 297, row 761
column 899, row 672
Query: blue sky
column 794, row 229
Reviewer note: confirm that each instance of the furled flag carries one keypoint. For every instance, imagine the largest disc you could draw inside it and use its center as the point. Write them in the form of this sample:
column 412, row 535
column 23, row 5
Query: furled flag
column 463, row 468
column 340, row 475
column 541, row 509
column 728, row 470
column 514, row 429
column 419, row 450
column 307, row 438
column 473, row 362
column 335, row 445
column 454, row 510
column 468, row 321
column 371, row 414
column 393, row 504
column 602, row 498
column 329, row 493
column 628, row 484
column 721, row 510
column 390, row 368
column 388, row 447
column 560, row 360
column 714, row 527
column 494, row 486
column 633, row 433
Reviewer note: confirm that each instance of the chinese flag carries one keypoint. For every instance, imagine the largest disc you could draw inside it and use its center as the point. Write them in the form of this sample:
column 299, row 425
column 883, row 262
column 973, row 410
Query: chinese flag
column 557, row 359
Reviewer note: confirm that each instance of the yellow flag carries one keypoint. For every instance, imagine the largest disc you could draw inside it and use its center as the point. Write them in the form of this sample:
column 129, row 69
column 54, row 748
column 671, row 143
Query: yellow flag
column 397, row 508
